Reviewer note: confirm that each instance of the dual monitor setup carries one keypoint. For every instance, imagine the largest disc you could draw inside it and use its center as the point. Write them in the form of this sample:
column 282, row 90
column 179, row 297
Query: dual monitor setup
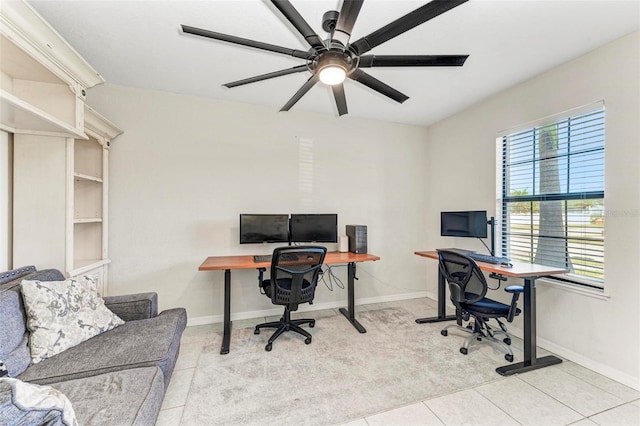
column 284, row 228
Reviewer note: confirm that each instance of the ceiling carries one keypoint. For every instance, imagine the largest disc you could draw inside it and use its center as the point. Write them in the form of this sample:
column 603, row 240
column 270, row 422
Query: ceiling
column 140, row 44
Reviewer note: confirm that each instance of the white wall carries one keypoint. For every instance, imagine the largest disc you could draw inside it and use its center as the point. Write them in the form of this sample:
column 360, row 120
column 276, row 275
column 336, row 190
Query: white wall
column 601, row 333
column 186, row 167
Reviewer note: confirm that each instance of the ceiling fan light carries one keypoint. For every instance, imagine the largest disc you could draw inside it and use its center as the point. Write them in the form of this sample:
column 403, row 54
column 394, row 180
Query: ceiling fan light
column 332, row 75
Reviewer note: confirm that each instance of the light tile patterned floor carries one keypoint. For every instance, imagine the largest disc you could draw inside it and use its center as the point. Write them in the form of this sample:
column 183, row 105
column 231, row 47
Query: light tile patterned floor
column 565, row 394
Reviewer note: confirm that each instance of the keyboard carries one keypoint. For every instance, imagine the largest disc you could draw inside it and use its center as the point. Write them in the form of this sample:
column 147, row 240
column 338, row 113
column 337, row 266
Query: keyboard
column 488, row 258
column 258, row 258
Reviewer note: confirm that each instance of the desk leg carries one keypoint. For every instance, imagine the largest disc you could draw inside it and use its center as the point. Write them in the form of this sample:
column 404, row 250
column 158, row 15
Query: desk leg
column 226, row 337
column 350, row 312
column 531, row 361
column 442, row 304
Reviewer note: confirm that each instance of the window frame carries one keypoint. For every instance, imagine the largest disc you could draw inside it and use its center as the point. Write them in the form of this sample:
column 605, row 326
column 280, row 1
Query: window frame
column 503, row 199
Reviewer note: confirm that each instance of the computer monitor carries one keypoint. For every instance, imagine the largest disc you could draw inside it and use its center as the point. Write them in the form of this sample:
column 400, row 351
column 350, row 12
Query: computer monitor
column 264, row 228
column 464, row 224
column 314, row 228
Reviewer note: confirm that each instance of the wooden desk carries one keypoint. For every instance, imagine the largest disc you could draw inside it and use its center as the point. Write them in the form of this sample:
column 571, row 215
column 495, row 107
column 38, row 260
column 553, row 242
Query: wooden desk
column 228, row 263
column 529, row 273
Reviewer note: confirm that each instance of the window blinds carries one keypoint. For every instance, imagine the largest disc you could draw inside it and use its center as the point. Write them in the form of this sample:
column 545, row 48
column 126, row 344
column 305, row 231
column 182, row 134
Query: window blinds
column 553, row 195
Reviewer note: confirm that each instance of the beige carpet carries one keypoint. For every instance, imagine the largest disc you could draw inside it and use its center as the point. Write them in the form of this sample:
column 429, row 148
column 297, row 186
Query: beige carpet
column 342, row 375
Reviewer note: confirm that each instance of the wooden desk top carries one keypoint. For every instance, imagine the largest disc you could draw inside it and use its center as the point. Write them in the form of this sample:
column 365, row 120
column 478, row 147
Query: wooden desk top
column 519, row 269
column 215, row 263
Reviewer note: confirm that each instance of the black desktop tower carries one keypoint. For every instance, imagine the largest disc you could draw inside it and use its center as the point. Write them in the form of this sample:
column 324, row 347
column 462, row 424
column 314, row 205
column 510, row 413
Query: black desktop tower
column 357, row 238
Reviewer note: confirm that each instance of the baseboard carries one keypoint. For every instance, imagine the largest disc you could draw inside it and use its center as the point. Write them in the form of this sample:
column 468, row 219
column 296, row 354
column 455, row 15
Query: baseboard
column 212, row 319
column 580, row 359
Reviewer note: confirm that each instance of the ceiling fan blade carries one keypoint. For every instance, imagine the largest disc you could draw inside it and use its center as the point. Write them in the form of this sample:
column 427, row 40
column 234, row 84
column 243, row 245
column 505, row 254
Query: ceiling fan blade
column 341, row 100
column 368, row 61
column 246, row 42
column 375, row 84
column 403, row 24
column 299, row 68
column 293, row 16
column 347, row 18
column 301, row 92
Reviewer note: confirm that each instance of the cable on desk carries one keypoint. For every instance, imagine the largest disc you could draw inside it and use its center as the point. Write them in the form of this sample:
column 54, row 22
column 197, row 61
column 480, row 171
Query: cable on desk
column 330, row 277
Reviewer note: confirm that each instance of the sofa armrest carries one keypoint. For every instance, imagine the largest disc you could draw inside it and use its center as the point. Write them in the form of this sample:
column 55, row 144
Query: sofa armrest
column 131, row 307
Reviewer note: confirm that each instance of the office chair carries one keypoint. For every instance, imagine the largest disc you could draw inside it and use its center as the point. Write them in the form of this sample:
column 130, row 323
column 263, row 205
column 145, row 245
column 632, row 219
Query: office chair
column 468, row 288
column 294, row 276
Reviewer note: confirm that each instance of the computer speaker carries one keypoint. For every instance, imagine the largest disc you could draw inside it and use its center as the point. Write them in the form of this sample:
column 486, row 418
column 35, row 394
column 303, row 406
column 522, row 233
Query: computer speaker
column 343, row 244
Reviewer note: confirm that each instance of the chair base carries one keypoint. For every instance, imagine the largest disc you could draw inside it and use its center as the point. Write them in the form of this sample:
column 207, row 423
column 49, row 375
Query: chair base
column 286, row 324
column 481, row 332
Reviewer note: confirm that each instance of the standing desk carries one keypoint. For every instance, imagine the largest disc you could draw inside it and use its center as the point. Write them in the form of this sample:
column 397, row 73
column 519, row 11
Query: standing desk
column 228, row 263
column 529, row 273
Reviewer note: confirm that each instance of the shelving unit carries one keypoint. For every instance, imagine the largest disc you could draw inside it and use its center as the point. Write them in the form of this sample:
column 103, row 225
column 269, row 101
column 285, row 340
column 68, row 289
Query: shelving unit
column 60, row 148
column 88, row 170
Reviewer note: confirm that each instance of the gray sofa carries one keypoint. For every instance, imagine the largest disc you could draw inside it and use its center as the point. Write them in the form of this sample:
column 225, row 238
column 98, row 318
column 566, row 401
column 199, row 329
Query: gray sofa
column 118, row 377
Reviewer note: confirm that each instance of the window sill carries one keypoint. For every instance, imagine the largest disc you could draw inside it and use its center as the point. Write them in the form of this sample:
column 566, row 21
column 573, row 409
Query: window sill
column 575, row 288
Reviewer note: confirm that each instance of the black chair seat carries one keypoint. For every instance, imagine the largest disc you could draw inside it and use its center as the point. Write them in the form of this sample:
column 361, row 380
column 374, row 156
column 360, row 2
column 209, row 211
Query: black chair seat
column 284, row 283
column 489, row 308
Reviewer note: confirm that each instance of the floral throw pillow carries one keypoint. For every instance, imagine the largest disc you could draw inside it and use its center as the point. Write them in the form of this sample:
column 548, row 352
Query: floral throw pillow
column 62, row 314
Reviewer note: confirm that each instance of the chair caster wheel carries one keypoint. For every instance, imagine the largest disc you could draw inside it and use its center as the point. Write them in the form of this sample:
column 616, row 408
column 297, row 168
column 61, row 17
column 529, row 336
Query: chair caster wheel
column 312, row 324
column 464, row 351
column 268, row 348
column 307, row 340
column 507, row 340
column 256, row 331
column 444, row 332
column 509, row 357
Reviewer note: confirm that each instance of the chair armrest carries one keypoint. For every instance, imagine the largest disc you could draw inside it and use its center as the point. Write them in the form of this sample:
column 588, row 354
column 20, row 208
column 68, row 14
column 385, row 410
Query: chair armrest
column 131, row 307
column 515, row 290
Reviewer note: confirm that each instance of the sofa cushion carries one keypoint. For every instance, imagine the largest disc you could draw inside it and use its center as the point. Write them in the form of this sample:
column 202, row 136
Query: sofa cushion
column 29, row 404
column 62, row 314
column 14, row 351
column 13, row 333
column 143, row 343
column 127, row 397
column 132, row 307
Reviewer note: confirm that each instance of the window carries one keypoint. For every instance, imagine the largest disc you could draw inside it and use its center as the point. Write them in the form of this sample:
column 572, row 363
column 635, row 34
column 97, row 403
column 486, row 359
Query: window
column 552, row 195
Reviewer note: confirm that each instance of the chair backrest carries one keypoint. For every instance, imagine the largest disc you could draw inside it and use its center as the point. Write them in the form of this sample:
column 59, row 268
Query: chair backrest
column 294, row 274
column 466, row 281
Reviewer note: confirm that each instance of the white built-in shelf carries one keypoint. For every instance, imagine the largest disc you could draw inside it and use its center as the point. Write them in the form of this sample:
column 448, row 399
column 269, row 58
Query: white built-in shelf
column 83, row 265
column 88, row 220
column 80, row 176
column 19, row 116
column 43, row 84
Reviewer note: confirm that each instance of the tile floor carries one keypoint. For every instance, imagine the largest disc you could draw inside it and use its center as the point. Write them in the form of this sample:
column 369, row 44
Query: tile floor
column 565, row 394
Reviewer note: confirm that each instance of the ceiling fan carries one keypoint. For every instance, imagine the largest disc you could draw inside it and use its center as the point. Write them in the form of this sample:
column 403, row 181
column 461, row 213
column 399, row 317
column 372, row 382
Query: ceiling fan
column 336, row 58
